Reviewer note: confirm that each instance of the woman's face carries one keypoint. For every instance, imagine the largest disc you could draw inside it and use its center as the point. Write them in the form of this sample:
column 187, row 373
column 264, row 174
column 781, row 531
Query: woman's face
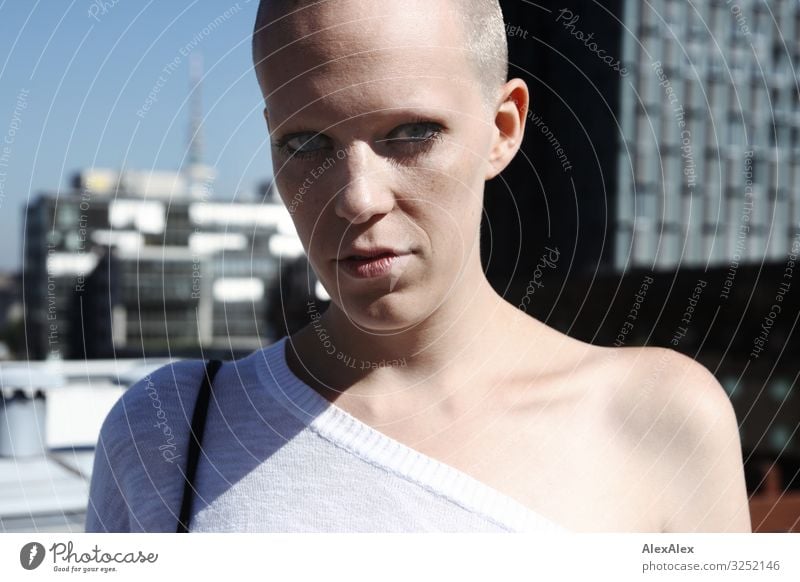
column 380, row 140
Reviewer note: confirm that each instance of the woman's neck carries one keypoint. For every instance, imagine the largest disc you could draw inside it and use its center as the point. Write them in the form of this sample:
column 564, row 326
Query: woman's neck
column 334, row 355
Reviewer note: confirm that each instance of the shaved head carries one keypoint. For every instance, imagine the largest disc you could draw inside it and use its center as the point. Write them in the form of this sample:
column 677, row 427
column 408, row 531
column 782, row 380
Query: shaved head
column 481, row 23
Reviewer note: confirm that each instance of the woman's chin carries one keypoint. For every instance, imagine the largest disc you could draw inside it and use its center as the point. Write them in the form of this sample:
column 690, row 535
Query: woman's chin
column 383, row 314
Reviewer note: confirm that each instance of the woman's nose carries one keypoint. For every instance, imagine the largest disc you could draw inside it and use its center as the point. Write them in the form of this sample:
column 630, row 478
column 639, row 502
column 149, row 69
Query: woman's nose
column 365, row 192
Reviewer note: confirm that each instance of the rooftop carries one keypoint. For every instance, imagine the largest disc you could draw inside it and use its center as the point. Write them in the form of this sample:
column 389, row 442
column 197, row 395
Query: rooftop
column 46, row 489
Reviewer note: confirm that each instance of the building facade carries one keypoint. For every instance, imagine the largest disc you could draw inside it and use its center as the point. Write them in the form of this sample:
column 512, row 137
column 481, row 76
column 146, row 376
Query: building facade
column 113, row 270
column 709, row 160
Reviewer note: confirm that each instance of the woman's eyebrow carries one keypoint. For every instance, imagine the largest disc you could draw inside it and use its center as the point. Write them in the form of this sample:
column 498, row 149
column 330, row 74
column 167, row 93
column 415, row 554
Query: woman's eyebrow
column 319, row 123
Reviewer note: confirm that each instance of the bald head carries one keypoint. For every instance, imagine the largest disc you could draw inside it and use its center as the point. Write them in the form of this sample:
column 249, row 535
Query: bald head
column 482, row 26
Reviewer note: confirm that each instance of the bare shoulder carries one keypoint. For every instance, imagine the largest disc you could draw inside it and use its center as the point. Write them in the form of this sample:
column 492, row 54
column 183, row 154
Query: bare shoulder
column 677, row 422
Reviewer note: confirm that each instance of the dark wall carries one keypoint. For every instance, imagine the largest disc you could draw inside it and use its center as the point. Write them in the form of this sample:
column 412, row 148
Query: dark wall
column 93, row 300
column 574, row 93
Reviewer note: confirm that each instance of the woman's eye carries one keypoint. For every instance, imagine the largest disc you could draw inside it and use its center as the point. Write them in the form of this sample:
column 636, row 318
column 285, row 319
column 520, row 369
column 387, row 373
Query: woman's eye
column 302, row 144
column 415, row 132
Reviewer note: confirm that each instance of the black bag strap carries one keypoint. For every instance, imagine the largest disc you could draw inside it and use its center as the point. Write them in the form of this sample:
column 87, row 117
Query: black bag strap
column 195, row 439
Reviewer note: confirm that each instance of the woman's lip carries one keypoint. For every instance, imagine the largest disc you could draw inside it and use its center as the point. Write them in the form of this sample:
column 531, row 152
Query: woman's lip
column 378, row 266
column 375, row 256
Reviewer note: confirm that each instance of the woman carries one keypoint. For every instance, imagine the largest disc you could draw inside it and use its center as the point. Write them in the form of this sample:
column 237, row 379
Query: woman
column 419, row 400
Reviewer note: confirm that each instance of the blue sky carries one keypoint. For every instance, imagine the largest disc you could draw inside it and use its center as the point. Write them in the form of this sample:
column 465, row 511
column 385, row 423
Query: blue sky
column 74, row 80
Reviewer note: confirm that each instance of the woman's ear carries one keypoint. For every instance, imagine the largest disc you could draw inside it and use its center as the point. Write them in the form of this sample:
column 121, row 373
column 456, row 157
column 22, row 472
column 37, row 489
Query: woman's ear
column 509, row 126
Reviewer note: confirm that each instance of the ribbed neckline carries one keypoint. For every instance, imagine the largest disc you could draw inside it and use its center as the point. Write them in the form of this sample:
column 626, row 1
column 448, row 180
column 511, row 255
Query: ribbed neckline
column 338, row 426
